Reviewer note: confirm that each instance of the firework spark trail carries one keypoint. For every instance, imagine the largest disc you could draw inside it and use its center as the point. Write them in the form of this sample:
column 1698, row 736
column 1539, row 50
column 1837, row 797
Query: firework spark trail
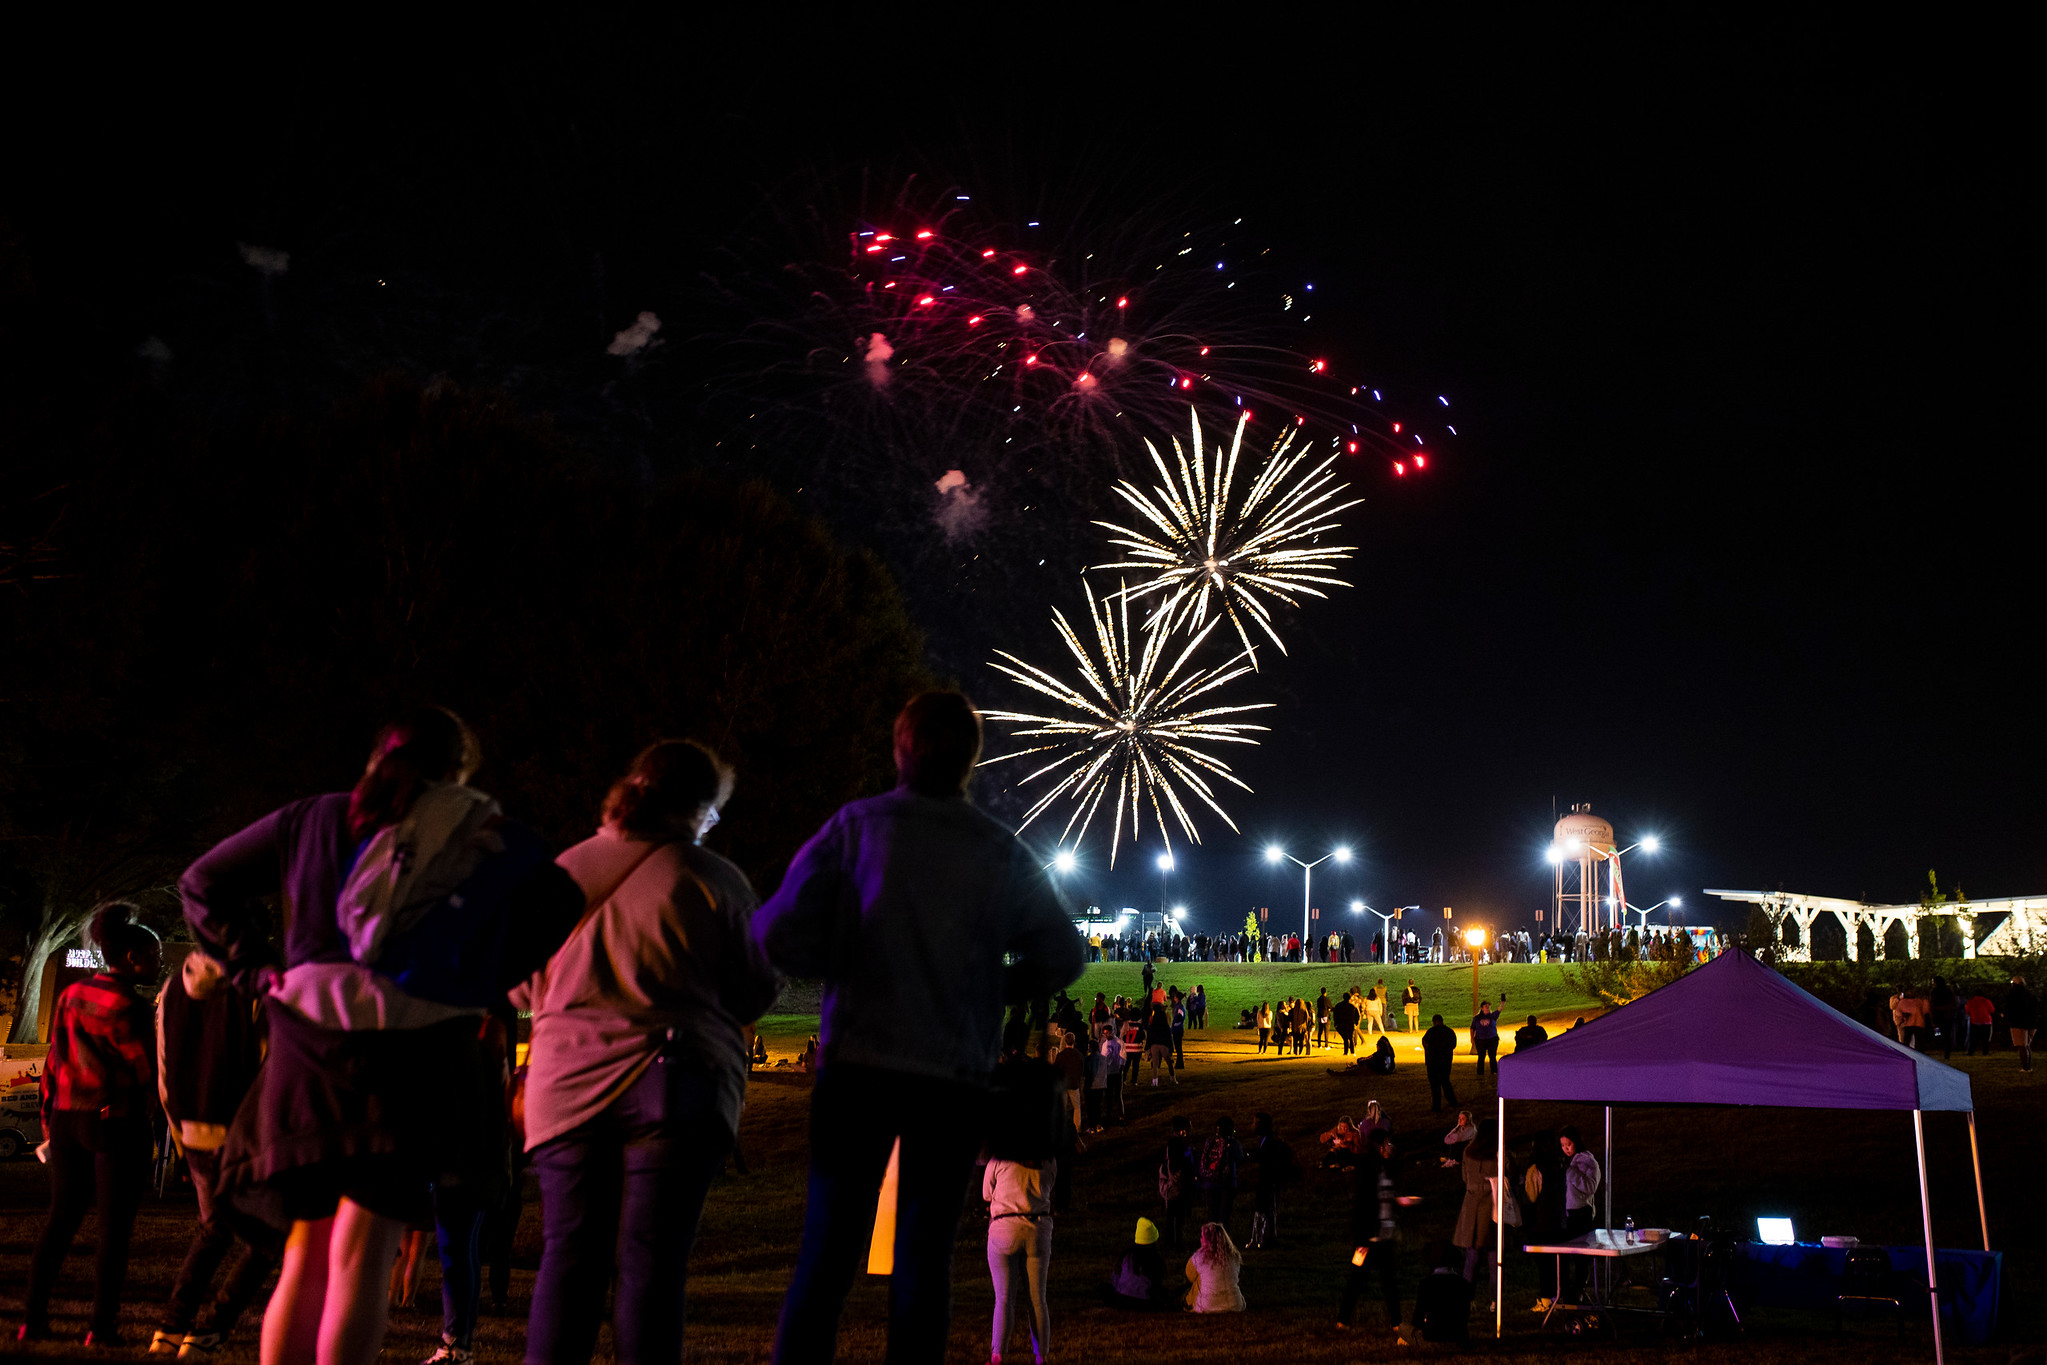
column 1207, row 544
column 1130, row 728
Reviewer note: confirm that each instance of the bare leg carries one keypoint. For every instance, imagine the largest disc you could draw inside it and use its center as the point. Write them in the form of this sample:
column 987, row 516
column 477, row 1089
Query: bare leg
column 291, row 1324
column 358, row 1306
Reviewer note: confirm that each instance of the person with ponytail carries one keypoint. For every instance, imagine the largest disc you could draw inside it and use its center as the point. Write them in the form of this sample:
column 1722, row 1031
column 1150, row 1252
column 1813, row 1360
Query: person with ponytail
column 635, row 1078
column 411, row 904
column 98, row 1089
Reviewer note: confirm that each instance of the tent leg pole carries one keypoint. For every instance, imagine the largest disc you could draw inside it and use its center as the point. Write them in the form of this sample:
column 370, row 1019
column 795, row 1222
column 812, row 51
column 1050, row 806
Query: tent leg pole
column 1607, row 1182
column 1926, row 1223
column 1500, row 1228
column 1976, row 1161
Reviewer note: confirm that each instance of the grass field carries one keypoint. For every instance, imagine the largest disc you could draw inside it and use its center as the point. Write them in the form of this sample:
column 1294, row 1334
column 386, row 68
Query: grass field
column 1833, row 1172
column 1530, row 988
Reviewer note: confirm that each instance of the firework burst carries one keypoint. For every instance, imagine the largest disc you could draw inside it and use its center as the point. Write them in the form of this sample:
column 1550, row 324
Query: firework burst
column 1208, row 549
column 1130, row 731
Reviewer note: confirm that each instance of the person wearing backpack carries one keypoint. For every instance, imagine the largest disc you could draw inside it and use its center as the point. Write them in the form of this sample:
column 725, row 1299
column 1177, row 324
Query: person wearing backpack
column 635, row 1079
column 411, row 904
column 1158, row 1042
column 209, row 1045
column 1221, row 1157
column 1178, row 1179
column 1276, row 1171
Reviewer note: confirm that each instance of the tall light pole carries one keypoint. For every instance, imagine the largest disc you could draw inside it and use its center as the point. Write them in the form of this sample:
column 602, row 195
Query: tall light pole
column 1385, row 928
column 1165, row 866
column 1638, row 910
column 1275, row 853
column 1474, row 938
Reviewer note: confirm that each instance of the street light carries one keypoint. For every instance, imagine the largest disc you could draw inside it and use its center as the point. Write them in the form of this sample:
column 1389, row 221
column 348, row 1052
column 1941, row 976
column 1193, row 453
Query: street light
column 1273, row 853
column 1474, row 938
column 1576, row 850
column 1385, row 929
column 1638, row 910
column 1064, row 861
column 1165, row 865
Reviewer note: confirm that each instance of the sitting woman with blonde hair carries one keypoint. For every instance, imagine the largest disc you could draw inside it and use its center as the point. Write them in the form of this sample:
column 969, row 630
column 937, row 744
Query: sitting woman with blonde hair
column 1212, row 1273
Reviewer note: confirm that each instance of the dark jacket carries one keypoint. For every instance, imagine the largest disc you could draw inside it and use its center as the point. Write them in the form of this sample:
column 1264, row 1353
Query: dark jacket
column 1275, row 1161
column 924, row 917
column 1371, row 1204
column 1439, row 1046
column 2020, row 1009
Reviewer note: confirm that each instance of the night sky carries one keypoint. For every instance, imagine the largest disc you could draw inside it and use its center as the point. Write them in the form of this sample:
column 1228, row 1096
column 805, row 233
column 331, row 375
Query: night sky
column 1735, row 544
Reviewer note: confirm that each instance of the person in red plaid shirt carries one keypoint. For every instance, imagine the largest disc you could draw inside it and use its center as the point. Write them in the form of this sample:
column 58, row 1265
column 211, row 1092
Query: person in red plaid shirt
column 99, row 1086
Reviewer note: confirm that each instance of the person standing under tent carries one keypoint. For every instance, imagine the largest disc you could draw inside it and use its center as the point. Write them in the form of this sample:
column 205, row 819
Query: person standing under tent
column 924, row 918
column 1478, row 1162
column 1581, row 1186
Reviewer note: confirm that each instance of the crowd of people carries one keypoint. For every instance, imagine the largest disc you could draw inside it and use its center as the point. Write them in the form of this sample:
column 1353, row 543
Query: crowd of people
column 352, row 1085
column 344, row 1088
column 1944, row 1014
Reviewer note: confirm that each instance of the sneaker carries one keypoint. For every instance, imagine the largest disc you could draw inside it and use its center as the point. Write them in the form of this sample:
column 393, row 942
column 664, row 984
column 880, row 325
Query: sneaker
column 447, row 1354
column 162, row 1343
column 199, row 1346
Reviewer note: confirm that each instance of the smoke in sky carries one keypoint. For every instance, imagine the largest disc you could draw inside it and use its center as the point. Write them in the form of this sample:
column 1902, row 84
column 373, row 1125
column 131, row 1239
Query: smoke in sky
column 877, row 358
column 265, row 260
column 637, row 337
column 959, row 513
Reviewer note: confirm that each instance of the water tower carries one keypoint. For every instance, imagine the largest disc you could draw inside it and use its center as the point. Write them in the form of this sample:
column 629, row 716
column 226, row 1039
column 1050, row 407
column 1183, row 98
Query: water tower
column 1583, row 843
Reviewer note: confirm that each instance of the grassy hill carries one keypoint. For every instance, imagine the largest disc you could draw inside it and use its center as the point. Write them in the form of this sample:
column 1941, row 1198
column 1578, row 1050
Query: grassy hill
column 1531, row 988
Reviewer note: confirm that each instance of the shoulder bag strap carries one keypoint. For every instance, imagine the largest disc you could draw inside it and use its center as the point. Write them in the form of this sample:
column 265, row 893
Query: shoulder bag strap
column 590, row 910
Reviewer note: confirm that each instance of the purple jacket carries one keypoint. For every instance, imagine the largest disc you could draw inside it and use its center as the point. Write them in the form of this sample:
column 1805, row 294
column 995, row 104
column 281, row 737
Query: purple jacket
column 517, row 907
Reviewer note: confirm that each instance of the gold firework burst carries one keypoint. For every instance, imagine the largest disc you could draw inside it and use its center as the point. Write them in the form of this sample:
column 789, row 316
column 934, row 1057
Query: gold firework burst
column 1130, row 728
column 1206, row 543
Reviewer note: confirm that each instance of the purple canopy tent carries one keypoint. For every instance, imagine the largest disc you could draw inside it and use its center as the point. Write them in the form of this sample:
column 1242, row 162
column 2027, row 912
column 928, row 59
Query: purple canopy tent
column 1721, row 1035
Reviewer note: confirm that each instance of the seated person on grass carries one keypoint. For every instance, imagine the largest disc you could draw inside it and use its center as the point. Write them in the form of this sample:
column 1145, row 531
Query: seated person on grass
column 1139, row 1284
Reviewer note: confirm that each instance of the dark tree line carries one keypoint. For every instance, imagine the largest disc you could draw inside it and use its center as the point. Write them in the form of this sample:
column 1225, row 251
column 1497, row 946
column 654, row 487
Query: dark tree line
column 201, row 621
